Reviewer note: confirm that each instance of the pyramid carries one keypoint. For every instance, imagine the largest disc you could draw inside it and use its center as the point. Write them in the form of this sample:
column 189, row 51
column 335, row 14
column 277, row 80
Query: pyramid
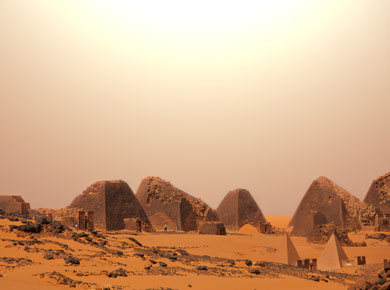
column 14, row 204
column 238, row 208
column 286, row 253
column 378, row 194
column 333, row 256
column 325, row 203
column 167, row 205
column 112, row 202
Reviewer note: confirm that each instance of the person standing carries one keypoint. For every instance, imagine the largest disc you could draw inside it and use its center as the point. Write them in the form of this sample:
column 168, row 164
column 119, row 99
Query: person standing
column 165, row 227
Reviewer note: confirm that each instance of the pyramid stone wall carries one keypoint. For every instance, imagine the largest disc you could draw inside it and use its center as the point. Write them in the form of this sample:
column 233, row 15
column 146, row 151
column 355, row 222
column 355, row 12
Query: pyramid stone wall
column 327, row 203
column 166, row 204
column 378, row 194
column 111, row 202
column 239, row 208
column 212, row 228
column 14, row 204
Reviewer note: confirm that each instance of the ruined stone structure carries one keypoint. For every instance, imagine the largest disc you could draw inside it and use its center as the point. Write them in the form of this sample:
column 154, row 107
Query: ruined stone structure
column 212, row 228
column 238, row 208
column 166, row 204
column 322, row 233
column 266, row 228
column 333, row 256
column 14, row 204
column 70, row 217
column 136, row 224
column 310, row 264
column 327, row 203
column 378, row 195
column 111, row 202
column 360, row 260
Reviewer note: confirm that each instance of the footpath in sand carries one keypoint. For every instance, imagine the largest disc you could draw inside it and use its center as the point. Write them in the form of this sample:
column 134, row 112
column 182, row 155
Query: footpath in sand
column 59, row 258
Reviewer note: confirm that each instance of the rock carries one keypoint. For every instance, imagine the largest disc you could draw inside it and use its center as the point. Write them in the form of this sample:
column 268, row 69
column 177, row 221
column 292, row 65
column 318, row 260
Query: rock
column 41, row 220
column 183, row 252
column 384, row 286
column 48, row 256
column 139, row 255
column 254, row 271
column 153, row 262
column 162, row 264
column 376, row 236
column 202, row 268
column 384, row 274
column 313, row 278
column 72, row 260
column 135, row 241
column 171, row 257
column 147, row 267
column 248, row 263
column 381, row 281
column 118, row 272
column 261, row 264
column 30, row 228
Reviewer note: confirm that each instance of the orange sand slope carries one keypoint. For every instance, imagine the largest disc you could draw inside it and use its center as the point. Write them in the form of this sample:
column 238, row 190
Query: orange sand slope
column 279, row 221
column 23, row 265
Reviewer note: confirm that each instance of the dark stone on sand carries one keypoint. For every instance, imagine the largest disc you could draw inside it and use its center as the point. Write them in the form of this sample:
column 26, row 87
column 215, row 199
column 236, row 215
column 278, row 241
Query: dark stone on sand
column 254, row 271
column 135, row 241
column 72, row 260
column 141, row 255
column 48, row 256
column 162, row 264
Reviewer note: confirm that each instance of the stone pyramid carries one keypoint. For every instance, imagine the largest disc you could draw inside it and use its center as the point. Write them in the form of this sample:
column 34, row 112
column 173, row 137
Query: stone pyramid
column 112, row 202
column 325, row 203
column 379, row 193
column 14, row 204
column 333, row 256
column 166, row 204
column 238, row 208
column 286, row 253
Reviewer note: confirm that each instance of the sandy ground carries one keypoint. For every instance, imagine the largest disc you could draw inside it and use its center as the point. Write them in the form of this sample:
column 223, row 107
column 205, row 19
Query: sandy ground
column 35, row 272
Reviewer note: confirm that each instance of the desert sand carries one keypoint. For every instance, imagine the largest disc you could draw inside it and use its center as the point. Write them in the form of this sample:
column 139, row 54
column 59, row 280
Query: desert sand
column 23, row 264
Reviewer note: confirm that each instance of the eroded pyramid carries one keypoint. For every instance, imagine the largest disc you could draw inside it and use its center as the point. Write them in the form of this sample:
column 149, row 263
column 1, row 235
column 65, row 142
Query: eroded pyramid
column 167, row 205
column 112, row 202
column 333, row 256
column 379, row 193
column 286, row 253
column 238, row 208
column 325, row 203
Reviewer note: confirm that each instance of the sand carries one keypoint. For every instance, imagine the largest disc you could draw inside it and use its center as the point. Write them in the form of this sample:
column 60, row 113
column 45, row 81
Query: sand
column 280, row 221
column 97, row 262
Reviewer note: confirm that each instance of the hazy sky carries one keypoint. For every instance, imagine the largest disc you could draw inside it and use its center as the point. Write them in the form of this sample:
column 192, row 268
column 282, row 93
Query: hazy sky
column 212, row 96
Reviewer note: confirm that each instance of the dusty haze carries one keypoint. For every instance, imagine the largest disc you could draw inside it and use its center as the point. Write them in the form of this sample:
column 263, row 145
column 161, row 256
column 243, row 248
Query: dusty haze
column 266, row 95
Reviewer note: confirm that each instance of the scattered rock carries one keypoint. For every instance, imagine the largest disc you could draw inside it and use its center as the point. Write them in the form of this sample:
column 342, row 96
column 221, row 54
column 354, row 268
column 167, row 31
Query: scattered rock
column 254, row 271
column 72, row 260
